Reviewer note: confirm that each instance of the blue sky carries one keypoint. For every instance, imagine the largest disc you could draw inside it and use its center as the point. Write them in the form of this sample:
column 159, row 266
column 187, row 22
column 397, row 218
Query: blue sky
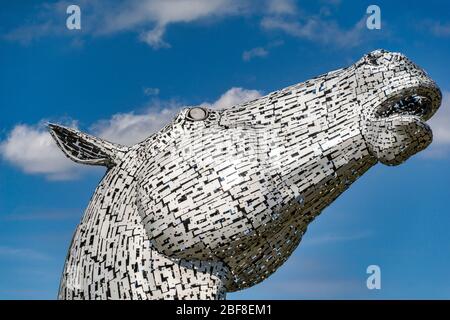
column 127, row 71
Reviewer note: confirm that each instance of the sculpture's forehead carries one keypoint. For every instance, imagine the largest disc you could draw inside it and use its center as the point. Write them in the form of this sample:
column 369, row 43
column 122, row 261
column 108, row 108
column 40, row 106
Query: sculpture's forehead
column 305, row 98
column 379, row 61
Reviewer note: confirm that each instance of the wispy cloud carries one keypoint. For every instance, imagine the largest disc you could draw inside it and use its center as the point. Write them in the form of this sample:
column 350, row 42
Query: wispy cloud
column 334, row 238
column 130, row 128
column 317, row 288
column 235, row 96
column 260, row 52
column 22, row 253
column 31, row 148
column 150, row 20
column 154, row 16
column 149, row 91
column 309, row 277
column 287, row 7
column 255, row 52
column 437, row 28
column 26, row 34
column 47, row 215
column 48, row 20
column 316, row 29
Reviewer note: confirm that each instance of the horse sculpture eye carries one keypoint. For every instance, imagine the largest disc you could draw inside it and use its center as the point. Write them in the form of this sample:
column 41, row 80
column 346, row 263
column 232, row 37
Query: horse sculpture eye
column 197, row 114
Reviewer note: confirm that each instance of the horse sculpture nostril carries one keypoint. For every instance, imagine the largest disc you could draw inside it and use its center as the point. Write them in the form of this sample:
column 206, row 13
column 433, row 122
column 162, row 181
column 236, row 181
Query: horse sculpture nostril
column 373, row 57
column 373, row 60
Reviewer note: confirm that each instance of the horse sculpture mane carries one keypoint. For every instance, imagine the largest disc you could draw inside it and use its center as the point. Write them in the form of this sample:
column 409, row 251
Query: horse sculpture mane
column 219, row 199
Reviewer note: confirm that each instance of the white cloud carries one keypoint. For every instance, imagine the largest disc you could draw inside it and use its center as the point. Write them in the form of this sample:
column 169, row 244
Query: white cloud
column 235, row 96
column 437, row 28
column 154, row 38
column 315, row 288
column 151, row 91
column 153, row 16
column 150, row 19
column 440, row 124
column 164, row 12
column 307, row 276
column 46, row 22
column 32, row 149
column 21, row 253
column 260, row 51
column 317, row 29
column 26, row 34
column 31, row 215
column 281, row 7
column 255, row 52
column 334, row 238
column 130, row 128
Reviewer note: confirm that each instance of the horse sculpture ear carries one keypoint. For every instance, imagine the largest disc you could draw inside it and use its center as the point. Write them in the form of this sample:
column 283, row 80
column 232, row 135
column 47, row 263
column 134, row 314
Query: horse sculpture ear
column 86, row 149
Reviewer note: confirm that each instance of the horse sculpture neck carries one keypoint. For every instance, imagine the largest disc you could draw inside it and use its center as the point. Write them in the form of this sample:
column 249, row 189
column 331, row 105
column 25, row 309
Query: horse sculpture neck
column 111, row 257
